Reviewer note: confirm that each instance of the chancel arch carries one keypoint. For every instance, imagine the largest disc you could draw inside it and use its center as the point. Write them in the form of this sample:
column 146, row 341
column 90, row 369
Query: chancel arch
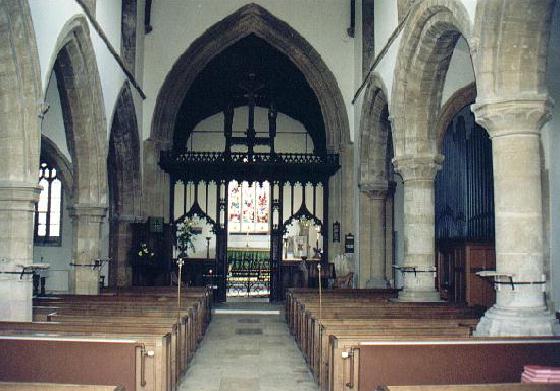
column 84, row 122
column 250, row 131
column 254, row 20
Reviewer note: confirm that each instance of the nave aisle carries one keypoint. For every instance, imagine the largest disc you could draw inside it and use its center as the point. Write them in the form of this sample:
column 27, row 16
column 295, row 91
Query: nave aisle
column 248, row 352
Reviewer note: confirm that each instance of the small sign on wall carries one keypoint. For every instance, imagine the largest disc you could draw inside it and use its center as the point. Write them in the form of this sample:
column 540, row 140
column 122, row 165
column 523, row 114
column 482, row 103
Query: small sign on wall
column 336, row 232
column 349, row 243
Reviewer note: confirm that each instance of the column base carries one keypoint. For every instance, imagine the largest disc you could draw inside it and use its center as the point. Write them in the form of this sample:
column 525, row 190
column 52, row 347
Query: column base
column 418, row 296
column 16, row 300
column 84, row 281
column 377, row 283
column 499, row 321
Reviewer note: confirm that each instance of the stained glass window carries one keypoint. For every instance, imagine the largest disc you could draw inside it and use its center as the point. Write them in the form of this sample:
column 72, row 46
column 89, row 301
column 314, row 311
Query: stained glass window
column 248, row 207
column 48, row 211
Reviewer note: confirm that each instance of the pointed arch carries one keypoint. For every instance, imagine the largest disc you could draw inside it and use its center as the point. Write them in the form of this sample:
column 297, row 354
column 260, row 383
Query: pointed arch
column 427, row 44
column 125, row 184
column 83, row 112
column 20, row 93
column 124, row 157
column 374, row 131
column 251, row 19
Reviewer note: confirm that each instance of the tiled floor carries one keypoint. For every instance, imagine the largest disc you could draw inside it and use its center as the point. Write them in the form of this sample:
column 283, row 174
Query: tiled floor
column 245, row 352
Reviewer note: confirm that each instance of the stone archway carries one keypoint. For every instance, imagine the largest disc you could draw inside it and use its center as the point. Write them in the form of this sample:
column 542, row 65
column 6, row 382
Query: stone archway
column 250, row 19
column 374, row 188
column 20, row 94
column 125, row 187
column 84, row 122
column 427, row 44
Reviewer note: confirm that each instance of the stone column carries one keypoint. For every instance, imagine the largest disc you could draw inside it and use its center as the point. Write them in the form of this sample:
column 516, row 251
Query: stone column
column 389, row 227
column 17, row 210
column 372, row 251
column 86, row 225
column 120, row 243
column 418, row 173
column 514, row 127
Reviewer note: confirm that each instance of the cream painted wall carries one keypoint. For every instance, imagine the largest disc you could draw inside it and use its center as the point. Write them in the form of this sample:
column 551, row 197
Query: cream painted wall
column 59, row 257
column 49, row 20
column 460, row 72
column 177, row 23
column 52, row 124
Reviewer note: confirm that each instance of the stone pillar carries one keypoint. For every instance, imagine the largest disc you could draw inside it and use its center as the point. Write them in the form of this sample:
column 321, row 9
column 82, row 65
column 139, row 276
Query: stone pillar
column 372, row 250
column 364, row 239
column 514, row 127
column 17, row 210
column 86, row 225
column 419, row 269
column 120, row 243
column 389, row 227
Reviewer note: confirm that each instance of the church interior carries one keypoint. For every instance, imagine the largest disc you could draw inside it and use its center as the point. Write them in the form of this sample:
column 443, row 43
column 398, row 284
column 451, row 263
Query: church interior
column 337, row 195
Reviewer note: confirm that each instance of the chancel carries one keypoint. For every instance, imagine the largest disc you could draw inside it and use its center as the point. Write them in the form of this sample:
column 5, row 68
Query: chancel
column 280, row 195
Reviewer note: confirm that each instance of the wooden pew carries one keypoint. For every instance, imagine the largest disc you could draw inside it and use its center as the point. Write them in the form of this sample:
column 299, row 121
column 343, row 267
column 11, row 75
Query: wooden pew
column 55, row 387
column 475, row 387
column 71, row 360
column 184, row 336
column 156, row 353
column 319, row 363
column 364, row 364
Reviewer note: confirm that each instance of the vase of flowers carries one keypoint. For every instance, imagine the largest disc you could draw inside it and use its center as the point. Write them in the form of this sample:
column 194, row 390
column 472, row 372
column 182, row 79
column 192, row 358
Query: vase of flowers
column 145, row 255
column 185, row 237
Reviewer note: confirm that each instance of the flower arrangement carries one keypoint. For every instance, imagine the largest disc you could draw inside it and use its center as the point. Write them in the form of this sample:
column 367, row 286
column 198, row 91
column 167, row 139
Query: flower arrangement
column 185, row 236
column 145, row 251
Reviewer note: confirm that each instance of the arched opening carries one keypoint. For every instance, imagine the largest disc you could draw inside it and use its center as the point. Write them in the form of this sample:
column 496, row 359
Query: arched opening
column 377, row 186
column 123, row 165
column 464, row 200
column 426, row 52
column 84, row 129
column 205, row 82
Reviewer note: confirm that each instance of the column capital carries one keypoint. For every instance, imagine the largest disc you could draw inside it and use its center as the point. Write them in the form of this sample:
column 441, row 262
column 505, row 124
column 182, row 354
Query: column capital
column 375, row 190
column 94, row 212
column 19, row 191
column 513, row 116
column 419, row 167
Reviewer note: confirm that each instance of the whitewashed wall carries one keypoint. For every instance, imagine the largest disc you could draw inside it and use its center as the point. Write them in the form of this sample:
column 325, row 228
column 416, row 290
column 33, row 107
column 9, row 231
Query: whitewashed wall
column 52, row 124
column 460, row 72
column 177, row 23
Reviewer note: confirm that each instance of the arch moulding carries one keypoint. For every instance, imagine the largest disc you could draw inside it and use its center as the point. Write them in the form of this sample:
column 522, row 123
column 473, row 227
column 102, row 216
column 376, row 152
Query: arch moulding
column 427, row 44
column 374, row 130
column 251, row 19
